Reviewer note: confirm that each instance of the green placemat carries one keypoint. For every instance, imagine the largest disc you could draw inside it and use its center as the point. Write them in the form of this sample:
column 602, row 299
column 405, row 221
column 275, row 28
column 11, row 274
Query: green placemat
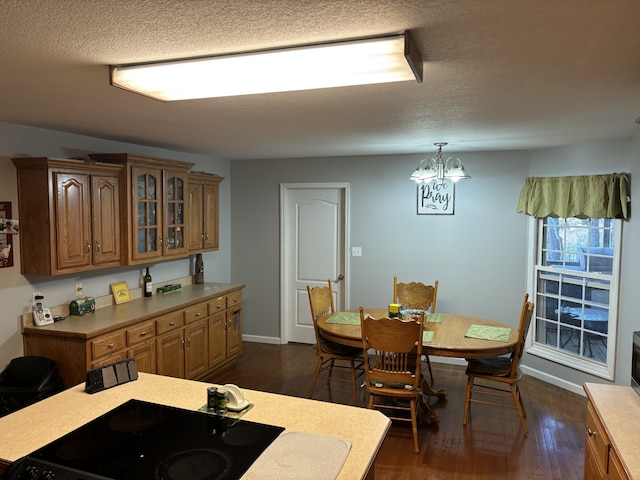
column 427, row 336
column 484, row 332
column 434, row 317
column 345, row 318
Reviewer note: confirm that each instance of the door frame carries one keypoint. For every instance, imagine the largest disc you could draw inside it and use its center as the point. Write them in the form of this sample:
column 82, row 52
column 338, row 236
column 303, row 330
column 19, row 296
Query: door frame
column 285, row 289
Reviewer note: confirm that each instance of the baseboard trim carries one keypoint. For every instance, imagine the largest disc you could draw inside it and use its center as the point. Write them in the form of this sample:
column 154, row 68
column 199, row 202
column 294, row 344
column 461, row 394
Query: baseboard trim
column 545, row 377
column 260, row 339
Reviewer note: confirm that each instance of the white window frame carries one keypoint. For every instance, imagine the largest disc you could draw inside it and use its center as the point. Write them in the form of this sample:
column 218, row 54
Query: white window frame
column 534, row 254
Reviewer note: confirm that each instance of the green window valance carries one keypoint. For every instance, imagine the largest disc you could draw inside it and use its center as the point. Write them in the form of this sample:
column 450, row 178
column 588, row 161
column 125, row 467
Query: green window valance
column 586, row 196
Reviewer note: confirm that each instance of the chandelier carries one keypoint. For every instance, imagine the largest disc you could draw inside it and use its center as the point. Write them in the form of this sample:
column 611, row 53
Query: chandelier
column 439, row 169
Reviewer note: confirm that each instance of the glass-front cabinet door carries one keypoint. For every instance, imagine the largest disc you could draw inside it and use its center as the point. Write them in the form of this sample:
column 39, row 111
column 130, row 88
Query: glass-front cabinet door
column 147, row 240
column 175, row 185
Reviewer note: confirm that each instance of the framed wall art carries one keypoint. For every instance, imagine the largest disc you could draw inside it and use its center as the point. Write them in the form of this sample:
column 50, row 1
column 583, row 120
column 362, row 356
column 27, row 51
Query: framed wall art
column 436, row 199
column 120, row 292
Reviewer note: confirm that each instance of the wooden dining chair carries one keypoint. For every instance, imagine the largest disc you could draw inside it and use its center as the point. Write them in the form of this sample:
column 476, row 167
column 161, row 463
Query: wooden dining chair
column 419, row 296
column 498, row 373
column 390, row 347
column 345, row 361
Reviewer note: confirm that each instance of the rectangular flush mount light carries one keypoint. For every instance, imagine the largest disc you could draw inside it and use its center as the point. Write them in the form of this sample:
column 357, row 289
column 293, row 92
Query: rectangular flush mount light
column 390, row 58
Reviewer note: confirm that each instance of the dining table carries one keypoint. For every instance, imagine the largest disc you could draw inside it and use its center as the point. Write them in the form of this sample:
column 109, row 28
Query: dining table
column 444, row 335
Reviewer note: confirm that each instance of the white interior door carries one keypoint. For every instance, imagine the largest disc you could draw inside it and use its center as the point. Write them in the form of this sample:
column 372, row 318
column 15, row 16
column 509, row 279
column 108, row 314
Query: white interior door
column 313, row 245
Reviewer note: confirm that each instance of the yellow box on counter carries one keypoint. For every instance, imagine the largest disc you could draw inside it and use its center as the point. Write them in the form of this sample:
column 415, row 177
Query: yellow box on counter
column 82, row 306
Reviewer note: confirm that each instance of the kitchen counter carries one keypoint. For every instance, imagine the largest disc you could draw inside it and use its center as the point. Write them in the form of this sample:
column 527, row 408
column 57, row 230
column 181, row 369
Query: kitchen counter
column 35, row 426
column 618, row 408
column 137, row 310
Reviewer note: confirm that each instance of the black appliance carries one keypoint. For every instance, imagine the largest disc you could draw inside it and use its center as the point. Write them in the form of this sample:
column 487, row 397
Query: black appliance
column 141, row 440
column 635, row 362
column 27, row 380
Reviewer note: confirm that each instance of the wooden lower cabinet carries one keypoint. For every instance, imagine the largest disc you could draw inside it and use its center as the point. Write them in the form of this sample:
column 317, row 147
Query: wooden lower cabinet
column 225, row 329
column 170, row 354
column 188, row 342
column 196, row 350
column 600, row 460
column 145, row 356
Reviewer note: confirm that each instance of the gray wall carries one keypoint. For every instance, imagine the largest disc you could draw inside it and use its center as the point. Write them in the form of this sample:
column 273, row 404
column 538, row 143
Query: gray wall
column 479, row 254
column 459, row 250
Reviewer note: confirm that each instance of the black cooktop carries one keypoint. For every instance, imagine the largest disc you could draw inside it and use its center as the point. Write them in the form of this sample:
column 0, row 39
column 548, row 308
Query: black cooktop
column 141, row 440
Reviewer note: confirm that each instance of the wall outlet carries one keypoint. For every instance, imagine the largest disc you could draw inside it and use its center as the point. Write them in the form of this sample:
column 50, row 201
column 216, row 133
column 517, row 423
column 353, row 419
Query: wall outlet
column 356, row 251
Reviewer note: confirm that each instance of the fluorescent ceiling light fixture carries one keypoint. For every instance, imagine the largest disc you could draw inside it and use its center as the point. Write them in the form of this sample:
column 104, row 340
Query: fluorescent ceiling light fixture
column 389, row 58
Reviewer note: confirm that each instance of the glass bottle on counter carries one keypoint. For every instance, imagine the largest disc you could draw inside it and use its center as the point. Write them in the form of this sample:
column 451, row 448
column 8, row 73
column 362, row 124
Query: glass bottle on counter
column 148, row 285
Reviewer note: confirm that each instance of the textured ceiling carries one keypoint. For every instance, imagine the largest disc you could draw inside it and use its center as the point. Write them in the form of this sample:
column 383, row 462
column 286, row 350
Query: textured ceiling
column 499, row 74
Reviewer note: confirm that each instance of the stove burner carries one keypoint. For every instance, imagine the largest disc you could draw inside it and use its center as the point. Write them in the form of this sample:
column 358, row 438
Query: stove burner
column 196, row 464
column 241, row 435
column 136, row 420
column 77, row 449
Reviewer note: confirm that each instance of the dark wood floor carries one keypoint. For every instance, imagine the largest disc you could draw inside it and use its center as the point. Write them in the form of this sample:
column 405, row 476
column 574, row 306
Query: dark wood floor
column 490, row 447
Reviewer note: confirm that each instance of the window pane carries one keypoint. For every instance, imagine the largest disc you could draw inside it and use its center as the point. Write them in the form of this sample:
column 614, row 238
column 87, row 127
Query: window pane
column 573, row 281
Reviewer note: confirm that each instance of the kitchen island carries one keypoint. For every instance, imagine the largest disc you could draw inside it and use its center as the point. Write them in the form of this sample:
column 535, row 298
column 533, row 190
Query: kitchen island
column 35, row 426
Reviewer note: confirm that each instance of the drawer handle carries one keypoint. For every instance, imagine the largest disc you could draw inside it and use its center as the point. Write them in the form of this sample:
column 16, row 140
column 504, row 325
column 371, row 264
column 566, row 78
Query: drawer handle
column 590, row 432
column 142, row 334
column 219, row 307
column 171, row 324
column 197, row 314
column 111, row 345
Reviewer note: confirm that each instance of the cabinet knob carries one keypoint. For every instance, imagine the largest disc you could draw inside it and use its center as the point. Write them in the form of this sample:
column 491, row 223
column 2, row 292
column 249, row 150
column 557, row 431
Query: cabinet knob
column 206, row 236
column 219, row 307
column 188, row 342
column 111, row 345
column 197, row 314
column 590, row 432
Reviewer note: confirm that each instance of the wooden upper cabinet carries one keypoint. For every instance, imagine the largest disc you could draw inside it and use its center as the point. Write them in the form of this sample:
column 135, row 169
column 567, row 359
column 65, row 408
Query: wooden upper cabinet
column 203, row 212
column 156, row 200
column 146, row 228
column 73, row 220
column 105, row 203
column 69, row 215
column 175, row 237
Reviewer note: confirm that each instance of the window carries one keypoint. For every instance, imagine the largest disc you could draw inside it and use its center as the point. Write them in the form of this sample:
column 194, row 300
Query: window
column 576, row 294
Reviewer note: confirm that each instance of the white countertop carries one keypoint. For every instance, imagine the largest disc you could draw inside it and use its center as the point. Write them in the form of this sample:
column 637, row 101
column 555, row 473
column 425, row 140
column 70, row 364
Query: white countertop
column 35, row 426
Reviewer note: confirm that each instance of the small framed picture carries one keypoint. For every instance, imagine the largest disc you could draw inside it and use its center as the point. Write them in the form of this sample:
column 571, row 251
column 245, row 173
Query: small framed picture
column 120, row 292
column 436, row 199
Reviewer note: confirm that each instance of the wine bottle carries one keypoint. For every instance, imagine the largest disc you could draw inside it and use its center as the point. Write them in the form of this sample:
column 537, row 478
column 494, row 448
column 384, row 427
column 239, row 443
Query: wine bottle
column 148, row 285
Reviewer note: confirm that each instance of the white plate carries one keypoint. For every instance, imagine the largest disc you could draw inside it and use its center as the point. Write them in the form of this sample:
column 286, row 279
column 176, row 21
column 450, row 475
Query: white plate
column 236, row 397
column 244, row 404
